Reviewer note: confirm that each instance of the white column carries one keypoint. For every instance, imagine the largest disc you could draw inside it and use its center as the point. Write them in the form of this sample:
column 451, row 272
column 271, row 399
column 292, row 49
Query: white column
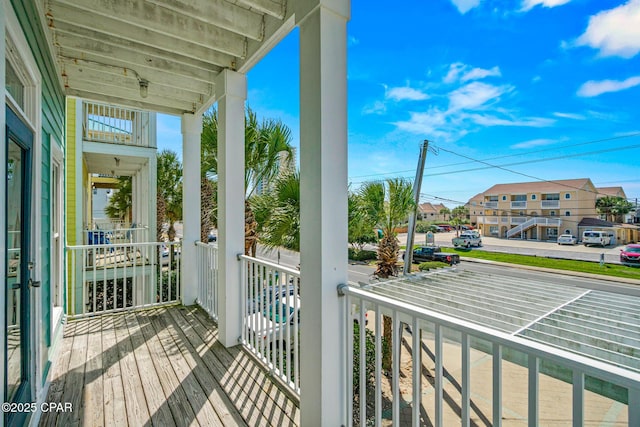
column 323, row 202
column 232, row 90
column 191, row 131
column 3, row 212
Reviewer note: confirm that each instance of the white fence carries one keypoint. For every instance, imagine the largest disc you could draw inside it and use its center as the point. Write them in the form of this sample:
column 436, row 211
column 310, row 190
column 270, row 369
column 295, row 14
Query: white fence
column 112, row 277
column 116, row 125
column 207, row 262
column 487, row 345
column 271, row 313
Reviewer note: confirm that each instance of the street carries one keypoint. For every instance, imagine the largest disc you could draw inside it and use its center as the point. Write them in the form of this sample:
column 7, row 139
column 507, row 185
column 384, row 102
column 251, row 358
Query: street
column 364, row 273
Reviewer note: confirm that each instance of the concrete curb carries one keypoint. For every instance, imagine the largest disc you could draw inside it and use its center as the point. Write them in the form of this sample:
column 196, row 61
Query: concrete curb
column 551, row 270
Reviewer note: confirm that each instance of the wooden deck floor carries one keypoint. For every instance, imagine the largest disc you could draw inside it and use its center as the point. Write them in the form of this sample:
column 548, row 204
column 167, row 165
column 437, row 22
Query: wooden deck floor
column 161, row 367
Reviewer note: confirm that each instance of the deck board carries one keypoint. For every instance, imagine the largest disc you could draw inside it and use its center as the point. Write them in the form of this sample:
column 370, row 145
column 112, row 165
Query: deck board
column 160, row 367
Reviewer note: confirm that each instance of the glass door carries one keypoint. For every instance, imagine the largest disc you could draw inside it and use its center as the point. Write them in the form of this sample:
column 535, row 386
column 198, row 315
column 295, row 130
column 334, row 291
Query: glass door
column 19, row 140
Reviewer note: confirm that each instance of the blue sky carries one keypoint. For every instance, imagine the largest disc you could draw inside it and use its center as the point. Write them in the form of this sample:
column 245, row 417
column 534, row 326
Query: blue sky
column 544, row 89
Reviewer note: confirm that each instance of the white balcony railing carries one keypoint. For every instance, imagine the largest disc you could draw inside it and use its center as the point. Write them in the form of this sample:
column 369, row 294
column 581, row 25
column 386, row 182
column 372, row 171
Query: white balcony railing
column 488, row 219
column 116, row 125
column 486, row 344
column 518, row 219
column 207, row 262
column 116, row 235
column 549, row 204
column 518, row 205
column 491, row 205
column 112, row 277
column 271, row 317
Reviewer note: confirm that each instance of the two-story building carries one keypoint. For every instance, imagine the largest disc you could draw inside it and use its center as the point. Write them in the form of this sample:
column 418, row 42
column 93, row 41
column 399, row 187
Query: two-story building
column 535, row 210
column 430, row 212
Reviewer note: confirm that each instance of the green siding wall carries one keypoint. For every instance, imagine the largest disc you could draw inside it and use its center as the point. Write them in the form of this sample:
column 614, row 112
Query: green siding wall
column 52, row 129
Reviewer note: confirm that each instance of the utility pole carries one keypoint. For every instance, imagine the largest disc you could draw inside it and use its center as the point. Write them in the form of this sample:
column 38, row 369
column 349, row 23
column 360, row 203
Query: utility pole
column 411, row 231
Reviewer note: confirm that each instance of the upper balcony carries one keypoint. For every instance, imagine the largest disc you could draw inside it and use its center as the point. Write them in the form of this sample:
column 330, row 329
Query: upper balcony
column 117, row 125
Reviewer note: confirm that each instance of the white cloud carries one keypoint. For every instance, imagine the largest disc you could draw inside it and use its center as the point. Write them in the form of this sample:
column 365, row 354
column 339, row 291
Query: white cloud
column 377, row 107
column 352, row 41
column 530, row 4
column 615, row 32
column 462, row 72
column 533, row 143
column 570, row 116
column 594, row 88
column 481, row 73
column 488, row 120
column 405, row 94
column 474, row 95
column 464, row 6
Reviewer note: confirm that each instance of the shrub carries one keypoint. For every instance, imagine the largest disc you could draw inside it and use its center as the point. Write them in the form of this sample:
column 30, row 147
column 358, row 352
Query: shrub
column 431, row 265
column 356, row 255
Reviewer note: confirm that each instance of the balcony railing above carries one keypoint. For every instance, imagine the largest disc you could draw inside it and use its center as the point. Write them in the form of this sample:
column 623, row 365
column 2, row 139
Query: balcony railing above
column 518, row 204
column 548, row 204
column 117, row 125
column 491, row 205
column 113, row 277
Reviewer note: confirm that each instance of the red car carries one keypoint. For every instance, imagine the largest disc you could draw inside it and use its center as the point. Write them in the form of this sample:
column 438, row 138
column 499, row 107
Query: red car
column 630, row 255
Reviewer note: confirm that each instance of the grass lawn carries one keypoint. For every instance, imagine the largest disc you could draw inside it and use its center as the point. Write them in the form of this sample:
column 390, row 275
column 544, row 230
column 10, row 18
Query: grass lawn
column 557, row 264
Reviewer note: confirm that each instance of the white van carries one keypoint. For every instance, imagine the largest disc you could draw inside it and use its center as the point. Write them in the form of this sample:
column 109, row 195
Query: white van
column 602, row 238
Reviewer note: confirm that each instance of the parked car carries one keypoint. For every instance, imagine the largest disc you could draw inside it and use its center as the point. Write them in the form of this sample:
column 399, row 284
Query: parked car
column 630, row 255
column 567, row 239
column 446, row 227
column 272, row 294
column 266, row 324
column 591, row 237
column 433, row 253
column 467, row 239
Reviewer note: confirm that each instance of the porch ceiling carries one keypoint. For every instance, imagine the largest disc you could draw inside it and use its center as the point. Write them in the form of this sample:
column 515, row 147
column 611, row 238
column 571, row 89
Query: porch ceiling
column 105, row 164
column 105, row 48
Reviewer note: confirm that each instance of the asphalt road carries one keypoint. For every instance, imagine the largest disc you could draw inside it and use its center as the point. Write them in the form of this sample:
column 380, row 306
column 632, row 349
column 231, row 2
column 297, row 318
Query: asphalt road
column 363, row 273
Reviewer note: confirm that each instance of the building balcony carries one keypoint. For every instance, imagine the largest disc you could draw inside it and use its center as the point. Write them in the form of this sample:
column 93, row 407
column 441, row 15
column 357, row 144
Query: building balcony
column 550, row 204
column 117, row 125
column 518, row 205
column 491, row 205
column 470, row 353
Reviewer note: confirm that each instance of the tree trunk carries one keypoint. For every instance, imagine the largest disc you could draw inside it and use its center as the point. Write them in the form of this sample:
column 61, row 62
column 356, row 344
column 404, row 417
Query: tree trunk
column 207, row 206
column 386, row 336
column 161, row 208
column 250, row 231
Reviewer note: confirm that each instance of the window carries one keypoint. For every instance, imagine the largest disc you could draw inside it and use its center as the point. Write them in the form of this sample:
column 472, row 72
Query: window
column 533, row 197
column 567, row 231
column 14, row 84
column 504, row 198
column 493, row 199
column 552, row 213
column 567, row 213
column 552, row 232
column 551, row 196
column 519, row 198
column 567, row 196
column 493, row 230
column 521, row 213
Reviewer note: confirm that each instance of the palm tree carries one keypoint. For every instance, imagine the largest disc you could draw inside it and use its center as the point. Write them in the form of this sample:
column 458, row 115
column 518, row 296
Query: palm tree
column 361, row 229
column 277, row 213
column 119, row 206
column 444, row 212
column 613, row 208
column 268, row 152
column 169, row 191
column 387, row 204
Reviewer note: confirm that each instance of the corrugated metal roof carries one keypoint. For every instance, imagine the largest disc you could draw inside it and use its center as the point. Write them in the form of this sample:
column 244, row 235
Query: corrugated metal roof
column 601, row 325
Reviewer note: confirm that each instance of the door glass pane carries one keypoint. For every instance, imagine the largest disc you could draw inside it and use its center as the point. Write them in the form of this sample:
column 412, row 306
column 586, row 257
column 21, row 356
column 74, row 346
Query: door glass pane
column 14, row 85
column 14, row 239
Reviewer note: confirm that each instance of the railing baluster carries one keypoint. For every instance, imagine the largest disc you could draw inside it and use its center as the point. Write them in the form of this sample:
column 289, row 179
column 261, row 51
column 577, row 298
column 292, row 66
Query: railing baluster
column 438, row 376
column 363, row 362
column 378, row 387
column 349, row 362
column 416, row 357
column 634, row 406
column 534, row 370
column 497, row 385
column 466, row 381
column 578, row 398
column 395, row 368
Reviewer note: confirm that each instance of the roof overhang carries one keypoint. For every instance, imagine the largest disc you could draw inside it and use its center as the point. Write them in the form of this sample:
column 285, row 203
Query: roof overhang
column 106, row 50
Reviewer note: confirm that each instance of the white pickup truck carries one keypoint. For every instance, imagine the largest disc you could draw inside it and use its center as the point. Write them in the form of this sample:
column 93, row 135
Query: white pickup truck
column 467, row 239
